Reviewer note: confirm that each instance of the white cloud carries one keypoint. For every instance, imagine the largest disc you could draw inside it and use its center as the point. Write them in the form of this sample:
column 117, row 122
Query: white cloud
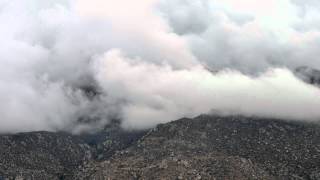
column 153, row 94
column 50, row 51
column 240, row 35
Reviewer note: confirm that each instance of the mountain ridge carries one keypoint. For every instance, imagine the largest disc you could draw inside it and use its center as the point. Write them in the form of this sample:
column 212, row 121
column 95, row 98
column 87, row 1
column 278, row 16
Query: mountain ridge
column 204, row 147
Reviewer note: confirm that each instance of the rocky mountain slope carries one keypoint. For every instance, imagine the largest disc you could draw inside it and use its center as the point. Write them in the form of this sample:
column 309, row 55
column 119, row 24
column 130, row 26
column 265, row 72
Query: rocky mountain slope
column 206, row 147
column 308, row 74
column 48, row 155
column 213, row 147
column 41, row 155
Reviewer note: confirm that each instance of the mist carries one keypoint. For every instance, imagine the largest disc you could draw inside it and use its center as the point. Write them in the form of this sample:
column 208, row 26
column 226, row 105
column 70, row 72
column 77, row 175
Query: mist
column 74, row 65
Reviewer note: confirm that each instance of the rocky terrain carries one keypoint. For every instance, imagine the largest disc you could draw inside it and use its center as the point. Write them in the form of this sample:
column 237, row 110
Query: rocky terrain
column 206, row 147
column 48, row 155
column 213, row 147
column 41, row 155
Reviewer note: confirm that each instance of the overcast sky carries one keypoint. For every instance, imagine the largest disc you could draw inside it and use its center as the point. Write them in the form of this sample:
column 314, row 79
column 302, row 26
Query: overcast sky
column 153, row 61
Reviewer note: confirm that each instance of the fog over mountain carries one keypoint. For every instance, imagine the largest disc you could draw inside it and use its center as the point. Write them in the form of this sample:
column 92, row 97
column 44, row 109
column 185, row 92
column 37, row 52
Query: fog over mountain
column 75, row 65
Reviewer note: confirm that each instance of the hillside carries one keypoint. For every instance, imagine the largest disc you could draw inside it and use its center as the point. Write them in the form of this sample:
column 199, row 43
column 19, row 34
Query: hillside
column 213, row 147
column 206, row 147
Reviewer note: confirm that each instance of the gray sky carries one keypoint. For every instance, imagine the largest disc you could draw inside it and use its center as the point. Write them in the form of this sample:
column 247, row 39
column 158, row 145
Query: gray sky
column 149, row 59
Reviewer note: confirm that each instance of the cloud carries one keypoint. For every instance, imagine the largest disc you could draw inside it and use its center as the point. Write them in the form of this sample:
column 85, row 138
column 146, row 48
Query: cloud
column 74, row 64
column 153, row 94
column 246, row 35
column 142, row 32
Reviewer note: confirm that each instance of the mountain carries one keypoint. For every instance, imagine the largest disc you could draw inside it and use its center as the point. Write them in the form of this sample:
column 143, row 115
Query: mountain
column 213, row 147
column 308, row 74
column 41, row 155
column 205, row 147
column 48, row 155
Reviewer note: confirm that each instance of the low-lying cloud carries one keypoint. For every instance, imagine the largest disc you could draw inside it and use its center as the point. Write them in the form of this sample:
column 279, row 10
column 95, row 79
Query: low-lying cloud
column 154, row 94
column 74, row 65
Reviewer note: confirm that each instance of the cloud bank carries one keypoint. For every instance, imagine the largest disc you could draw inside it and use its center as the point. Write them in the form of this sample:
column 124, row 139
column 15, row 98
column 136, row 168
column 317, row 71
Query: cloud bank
column 158, row 93
column 247, row 35
column 74, row 65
